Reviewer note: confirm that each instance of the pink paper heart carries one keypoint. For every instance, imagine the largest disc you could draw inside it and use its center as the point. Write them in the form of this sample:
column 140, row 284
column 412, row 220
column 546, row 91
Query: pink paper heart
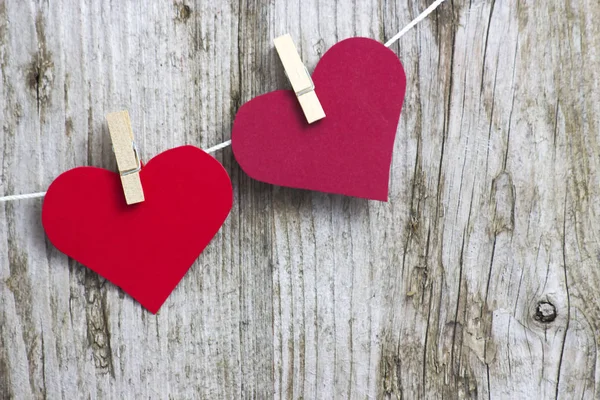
column 361, row 85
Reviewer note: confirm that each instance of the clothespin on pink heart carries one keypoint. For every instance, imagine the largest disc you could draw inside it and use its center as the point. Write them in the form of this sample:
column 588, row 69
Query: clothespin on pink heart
column 333, row 132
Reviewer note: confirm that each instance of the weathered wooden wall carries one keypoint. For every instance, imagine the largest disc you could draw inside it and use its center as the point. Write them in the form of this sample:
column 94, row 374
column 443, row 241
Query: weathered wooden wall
column 478, row 279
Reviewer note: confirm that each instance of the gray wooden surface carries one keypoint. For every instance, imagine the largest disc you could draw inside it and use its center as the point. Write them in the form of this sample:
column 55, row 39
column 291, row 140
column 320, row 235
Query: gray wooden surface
column 479, row 278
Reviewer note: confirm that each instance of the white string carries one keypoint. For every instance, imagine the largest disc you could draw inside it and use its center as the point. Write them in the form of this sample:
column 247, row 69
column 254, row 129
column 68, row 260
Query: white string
column 42, row 194
column 22, row 196
column 220, row 146
column 414, row 22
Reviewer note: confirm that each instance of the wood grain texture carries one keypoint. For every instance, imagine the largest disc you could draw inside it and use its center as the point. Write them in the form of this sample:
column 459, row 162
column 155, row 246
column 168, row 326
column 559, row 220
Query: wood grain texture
column 477, row 280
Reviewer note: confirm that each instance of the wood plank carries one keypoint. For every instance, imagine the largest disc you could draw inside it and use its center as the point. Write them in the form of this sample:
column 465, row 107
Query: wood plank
column 477, row 279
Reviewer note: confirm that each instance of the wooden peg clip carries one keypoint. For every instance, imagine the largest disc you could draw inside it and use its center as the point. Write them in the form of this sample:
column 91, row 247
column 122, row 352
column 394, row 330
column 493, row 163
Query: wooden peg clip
column 299, row 78
column 128, row 160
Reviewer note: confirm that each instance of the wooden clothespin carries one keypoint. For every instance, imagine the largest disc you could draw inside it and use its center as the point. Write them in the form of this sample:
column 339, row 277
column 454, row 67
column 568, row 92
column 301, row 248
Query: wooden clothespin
column 299, row 78
column 128, row 160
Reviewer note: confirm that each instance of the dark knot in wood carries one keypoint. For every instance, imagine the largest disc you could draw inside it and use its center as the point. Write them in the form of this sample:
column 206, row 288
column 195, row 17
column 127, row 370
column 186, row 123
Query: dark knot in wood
column 545, row 312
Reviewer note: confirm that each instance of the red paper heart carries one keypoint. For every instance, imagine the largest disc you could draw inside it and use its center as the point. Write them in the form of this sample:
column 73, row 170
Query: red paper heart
column 361, row 86
column 144, row 248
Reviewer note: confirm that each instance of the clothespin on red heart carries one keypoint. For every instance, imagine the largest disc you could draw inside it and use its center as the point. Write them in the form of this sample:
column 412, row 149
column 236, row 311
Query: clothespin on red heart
column 143, row 228
column 126, row 153
column 359, row 85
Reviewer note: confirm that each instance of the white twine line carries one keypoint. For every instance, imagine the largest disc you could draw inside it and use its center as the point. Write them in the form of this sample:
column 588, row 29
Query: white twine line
column 414, row 22
column 22, row 196
column 42, row 194
column 220, row 146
